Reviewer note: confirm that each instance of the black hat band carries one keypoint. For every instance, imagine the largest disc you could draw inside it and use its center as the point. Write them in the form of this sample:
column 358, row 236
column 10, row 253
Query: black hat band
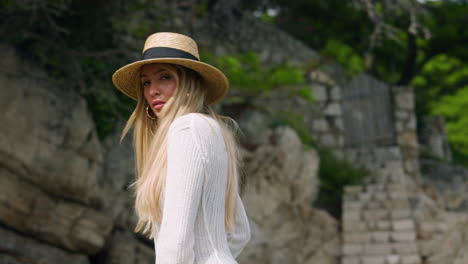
column 164, row 52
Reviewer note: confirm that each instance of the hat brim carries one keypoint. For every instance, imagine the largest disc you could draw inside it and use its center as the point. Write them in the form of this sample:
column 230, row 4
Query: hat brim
column 127, row 78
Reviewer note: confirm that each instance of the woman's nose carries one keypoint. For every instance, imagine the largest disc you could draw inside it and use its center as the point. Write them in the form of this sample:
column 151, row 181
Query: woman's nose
column 154, row 90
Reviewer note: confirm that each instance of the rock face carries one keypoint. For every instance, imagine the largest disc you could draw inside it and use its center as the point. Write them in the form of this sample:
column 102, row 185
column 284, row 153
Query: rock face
column 62, row 191
column 18, row 249
column 281, row 186
column 447, row 184
column 28, row 209
column 46, row 132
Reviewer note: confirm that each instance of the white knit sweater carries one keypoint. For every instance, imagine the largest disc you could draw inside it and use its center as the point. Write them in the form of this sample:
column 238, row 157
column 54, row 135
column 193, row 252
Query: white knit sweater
column 192, row 228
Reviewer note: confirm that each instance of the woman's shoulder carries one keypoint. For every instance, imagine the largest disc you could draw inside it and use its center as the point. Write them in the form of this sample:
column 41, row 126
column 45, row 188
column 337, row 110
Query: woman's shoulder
column 195, row 121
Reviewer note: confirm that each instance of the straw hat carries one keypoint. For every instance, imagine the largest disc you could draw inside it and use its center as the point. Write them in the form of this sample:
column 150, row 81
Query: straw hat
column 166, row 47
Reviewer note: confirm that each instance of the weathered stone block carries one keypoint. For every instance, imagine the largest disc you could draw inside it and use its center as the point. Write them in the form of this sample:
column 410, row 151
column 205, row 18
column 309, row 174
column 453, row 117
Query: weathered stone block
column 403, row 236
column 380, row 236
column 411, row 259
column 350, row 215
column 398, row 195
column 354, row 226
column 320, row 125
column 403, row 224
column 411, row 124
column 373, row 205
column 333, row 109
column 396, row 204
column 384, row 225
column 373, row 260
column 400, row 213
column 377, row 249
column 426, row 229
column 320, row 92
column 352, row 249
column 405, row 100
column 358, row 237
column 338, row 122
column 405, row 248
column 328, row 140
column 392, row 259
column 336, row 93
column 352, row 205
column 411, row 165
column 350, row 260
column 399, row 126
column 365, row 196
column 408, row 138
column 381, row 196
column 374, row 188
column 352, row 189
column 429, row 247
column 401, row 114
column 375, row 215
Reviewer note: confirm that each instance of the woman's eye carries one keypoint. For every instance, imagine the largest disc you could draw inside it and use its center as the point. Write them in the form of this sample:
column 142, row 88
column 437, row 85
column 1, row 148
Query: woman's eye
column 165, row 77
column 145, row 83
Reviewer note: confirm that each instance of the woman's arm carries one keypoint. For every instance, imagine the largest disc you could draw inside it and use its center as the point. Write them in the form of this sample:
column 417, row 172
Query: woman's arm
column 241, row 235
column 184, row 181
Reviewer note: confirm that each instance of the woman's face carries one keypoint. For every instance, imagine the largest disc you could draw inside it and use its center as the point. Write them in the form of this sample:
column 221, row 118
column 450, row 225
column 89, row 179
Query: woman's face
column 158, row 86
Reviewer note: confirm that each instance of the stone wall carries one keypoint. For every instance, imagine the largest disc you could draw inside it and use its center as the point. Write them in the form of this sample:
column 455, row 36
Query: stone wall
column 405, row 123
column 326, row 121
column 326, row 125
column 434, row 140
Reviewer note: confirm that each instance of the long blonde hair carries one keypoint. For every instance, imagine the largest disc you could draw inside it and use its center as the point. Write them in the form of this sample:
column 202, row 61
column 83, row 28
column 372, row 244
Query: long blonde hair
column 149, row 140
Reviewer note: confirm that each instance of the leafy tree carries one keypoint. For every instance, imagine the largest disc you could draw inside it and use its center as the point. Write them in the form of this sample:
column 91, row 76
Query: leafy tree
column 442, row 89
column 453, row 108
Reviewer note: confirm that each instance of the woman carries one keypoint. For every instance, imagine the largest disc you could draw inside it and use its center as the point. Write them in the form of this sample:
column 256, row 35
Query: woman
column 187, row 196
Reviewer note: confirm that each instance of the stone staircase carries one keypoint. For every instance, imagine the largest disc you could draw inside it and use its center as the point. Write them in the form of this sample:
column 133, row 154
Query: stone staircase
column 377, row 224
column 389, row 220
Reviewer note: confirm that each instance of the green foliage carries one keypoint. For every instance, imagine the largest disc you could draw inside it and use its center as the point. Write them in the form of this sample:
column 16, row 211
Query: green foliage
column 249, row 76
column 202, row 8
column 251, row 79
column 304, row 93
column 442, row 75
column 293, row 120
column 442, row 89
column 334, row 175
column 346, row 56
column 454, row 109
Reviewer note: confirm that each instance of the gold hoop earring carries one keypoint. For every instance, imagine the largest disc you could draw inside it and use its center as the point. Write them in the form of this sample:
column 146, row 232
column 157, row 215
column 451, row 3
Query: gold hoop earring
column 148, row 114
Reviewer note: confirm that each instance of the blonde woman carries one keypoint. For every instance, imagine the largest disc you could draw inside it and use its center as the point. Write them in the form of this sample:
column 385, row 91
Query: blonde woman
column 187, row 197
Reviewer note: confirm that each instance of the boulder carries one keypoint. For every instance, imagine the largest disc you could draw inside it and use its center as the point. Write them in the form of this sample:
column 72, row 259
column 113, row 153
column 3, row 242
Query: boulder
column 29, row 210
column 281, row 186
column 117, row 174
column 19, row 249
column 125, row 248
column 447, row 184
column 48, row 137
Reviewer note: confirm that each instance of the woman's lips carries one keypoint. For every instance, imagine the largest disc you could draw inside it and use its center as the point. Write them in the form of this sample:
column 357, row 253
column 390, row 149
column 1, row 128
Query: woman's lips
column 158, row 104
